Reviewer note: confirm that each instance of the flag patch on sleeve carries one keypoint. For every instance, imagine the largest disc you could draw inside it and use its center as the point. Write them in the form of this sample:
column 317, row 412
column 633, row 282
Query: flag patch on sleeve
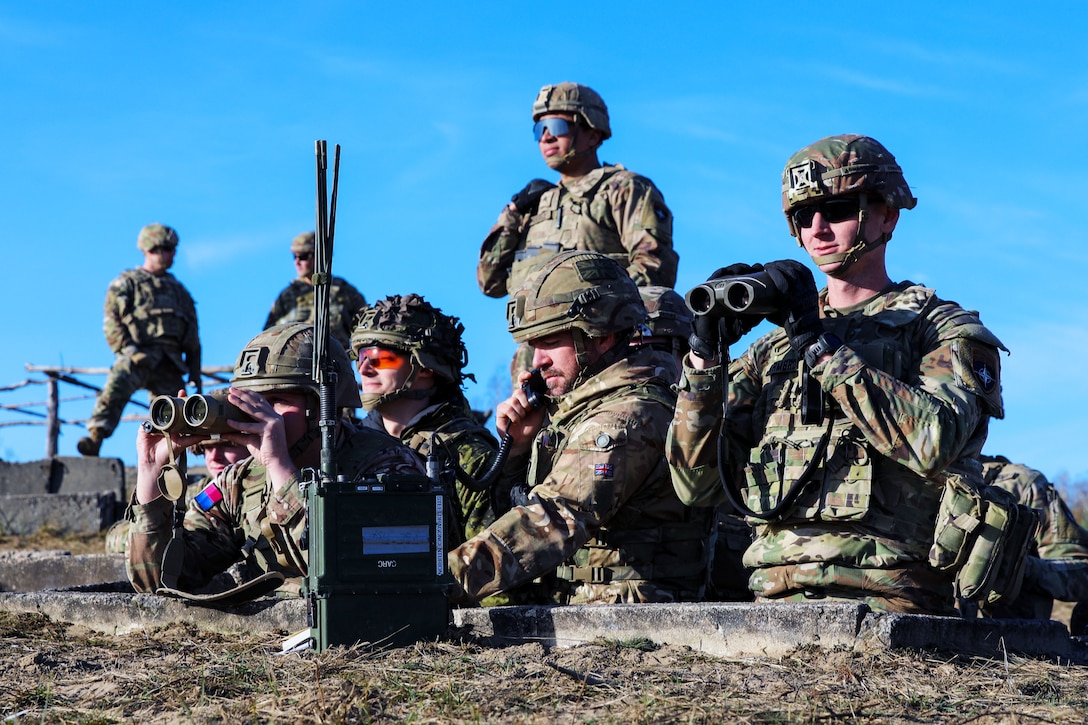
column 602, row 470
column 210, row 496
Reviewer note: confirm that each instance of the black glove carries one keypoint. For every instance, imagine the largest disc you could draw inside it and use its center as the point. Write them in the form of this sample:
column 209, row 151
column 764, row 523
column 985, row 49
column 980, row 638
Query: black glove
column 526, row 200
column 800, row 313
column 709, row 331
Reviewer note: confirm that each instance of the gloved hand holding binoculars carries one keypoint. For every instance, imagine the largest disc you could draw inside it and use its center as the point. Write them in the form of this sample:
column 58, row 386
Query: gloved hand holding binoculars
column 735, row 298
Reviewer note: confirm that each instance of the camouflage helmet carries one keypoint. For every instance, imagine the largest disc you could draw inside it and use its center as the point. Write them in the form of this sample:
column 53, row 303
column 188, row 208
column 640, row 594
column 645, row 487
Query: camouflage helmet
column 281, row 358
column 413, row 326
column 303, row 243
column 567, row 97
column 575, row 289
column 156, row 235
column 668, row 315
column 843, row 165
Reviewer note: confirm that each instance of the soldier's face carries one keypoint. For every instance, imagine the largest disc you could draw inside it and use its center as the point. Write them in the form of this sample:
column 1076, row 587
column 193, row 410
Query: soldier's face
column 292, row 407
column 220, row 454
column 304, row 264
column 158, row 259
column 558, row 360
column 822, row 236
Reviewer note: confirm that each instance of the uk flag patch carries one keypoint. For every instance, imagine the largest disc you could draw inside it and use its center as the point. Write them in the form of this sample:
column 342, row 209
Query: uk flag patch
column 602, row 470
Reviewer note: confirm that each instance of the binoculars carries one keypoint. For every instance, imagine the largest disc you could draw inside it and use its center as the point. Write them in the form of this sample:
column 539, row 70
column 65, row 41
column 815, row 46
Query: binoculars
column 195, row 414
column 748, row 294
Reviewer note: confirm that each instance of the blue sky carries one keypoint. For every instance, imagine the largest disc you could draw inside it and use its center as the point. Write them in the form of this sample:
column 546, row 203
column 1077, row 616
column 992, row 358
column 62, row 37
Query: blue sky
column 203, row 116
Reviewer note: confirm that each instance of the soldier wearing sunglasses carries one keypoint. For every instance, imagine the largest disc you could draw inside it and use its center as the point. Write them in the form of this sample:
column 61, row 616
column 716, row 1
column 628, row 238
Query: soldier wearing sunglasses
column 601, row 208
column 411, row 360
column 904, row 386
column 296, row 302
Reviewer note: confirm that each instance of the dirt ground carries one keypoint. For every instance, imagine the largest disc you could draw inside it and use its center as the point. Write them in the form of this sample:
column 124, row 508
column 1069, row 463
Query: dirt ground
column 52, row 672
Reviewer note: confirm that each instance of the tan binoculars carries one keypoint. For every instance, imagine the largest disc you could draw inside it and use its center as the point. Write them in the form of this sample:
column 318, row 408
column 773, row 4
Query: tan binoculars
column 195, row 414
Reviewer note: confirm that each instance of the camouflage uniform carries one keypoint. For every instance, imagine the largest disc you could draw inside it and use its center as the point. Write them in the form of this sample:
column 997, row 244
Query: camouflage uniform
column 296, row 302
column 460, row 438
column 601, row 524
column 432, row 340
column 1057, row 563
column 254, row 530
column 908, row 396
column 150, row 324
column 609, row 210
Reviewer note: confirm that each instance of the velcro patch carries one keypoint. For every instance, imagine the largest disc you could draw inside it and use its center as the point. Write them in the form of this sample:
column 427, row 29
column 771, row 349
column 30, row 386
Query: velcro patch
column 602, row 470
column 208, row 497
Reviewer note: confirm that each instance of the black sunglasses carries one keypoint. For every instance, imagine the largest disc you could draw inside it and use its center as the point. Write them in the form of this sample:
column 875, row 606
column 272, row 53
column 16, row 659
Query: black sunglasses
column 832, row 210
column 554, row 126
column 305, row 256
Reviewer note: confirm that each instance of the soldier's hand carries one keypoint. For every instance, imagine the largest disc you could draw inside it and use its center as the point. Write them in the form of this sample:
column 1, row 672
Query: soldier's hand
column 800, row 316
column 265, row 437
column 526, row 200
column 518, row 418
column 710, row 331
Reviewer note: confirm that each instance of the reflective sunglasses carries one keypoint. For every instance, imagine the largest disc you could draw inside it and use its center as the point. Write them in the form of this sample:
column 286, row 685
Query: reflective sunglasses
column 554, row 126
column 832, row 210
column 305, row 256
column 381, row 358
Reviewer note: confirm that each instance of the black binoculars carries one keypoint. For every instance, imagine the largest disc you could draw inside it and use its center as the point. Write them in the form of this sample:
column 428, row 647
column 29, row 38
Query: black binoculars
column 747, row 294
column 195, row 414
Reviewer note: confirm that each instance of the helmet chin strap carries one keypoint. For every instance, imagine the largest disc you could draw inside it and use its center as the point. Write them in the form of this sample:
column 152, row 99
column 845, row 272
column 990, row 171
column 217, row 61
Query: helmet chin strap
column 586, row 370
column 861, row 245
column 372, row 401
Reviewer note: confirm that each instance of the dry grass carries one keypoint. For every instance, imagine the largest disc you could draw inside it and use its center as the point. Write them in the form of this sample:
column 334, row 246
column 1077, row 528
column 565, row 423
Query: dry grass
column 55, row 673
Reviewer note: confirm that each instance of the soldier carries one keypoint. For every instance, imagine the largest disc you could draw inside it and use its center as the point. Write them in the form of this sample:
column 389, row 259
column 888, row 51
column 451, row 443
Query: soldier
column 1057, row 563
column 411, row 360
column 839, row 426
column 596, row 515
column 667, row 328
column 601, row 208
column 150, row 324
column 240, row 536
column 296, row 302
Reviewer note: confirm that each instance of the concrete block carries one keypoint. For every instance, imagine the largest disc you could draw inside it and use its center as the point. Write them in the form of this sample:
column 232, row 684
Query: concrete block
column 75, row 513
column 733, row 629
column 68, row 474
column 30, row 571
column 120, row 613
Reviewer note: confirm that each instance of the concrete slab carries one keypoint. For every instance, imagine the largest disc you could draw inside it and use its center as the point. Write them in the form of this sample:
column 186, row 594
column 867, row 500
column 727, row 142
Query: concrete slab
column 70, row 474
column 30, row 571
column 65, row 513
column 725, row 630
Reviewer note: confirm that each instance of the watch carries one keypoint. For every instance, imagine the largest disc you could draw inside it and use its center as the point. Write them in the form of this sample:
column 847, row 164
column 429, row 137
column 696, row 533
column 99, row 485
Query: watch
column 826, row 343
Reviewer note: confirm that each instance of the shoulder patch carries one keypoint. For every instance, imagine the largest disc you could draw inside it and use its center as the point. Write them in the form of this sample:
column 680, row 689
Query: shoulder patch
column 978, row 369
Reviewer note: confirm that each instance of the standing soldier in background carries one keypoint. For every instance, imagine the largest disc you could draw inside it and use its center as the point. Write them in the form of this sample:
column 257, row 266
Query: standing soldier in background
column 296, row 302
column 150, row 324
column 595, row 516
column 411, row 360
column 595, row 207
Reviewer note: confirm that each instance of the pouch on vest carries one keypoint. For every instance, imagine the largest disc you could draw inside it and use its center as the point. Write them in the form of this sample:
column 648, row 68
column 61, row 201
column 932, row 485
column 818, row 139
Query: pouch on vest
column 982, row 537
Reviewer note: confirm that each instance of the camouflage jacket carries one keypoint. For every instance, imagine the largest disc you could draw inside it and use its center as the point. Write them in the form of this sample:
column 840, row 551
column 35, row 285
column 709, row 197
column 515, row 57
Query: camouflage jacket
column 251, row 522
column 459, row 439
column 602, row 514
column 909, row 395
column 145, row 310
column 609, row 210
column 296, row 304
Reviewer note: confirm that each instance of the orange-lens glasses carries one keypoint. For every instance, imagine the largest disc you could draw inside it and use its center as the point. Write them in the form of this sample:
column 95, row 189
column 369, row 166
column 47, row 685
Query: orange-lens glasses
column 383, row 359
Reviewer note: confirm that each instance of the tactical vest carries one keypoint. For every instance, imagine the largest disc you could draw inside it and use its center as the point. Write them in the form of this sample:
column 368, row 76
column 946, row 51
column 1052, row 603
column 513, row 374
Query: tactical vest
column 676, row 552
column 565, row 220
column 841, row 484
column 160, row 309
